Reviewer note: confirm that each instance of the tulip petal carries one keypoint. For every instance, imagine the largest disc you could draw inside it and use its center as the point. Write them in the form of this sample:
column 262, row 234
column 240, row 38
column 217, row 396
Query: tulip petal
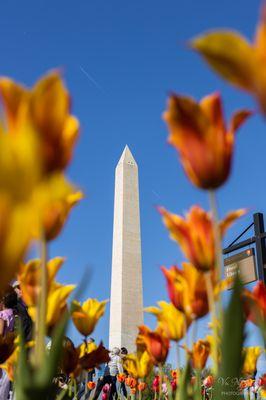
column 230, row 218
column 229, row 54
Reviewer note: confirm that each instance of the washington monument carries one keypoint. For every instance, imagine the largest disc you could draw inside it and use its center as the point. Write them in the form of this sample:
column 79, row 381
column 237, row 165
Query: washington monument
column 126, row 306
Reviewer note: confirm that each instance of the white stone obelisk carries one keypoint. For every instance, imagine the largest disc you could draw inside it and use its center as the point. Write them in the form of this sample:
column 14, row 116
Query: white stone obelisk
column 126, row 304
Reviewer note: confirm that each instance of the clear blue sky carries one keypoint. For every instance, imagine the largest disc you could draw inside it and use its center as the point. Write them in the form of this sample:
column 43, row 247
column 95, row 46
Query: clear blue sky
column 120, row 60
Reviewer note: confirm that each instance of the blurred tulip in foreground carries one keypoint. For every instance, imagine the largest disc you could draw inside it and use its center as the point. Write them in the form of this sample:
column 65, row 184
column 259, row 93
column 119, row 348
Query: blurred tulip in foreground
column 195, row 234
column 199, row 133
column 236, row 59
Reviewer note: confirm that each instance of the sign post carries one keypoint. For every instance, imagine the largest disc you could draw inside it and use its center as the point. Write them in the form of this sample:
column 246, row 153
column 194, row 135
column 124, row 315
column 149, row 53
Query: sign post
column 245, row 260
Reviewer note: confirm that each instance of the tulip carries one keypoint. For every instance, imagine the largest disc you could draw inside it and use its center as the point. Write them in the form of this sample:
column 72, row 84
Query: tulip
column 91, row 385
column 173, row 384
column 195, row 234
column 172, row 321
column 29, row 278
column 87, row 347
column 86, row 316
column 142, row 386
column 56, row 304
column 236, row 59
column 157, row 344
column 46, row 108
column 138, row 365
column 255, row 304
column 121, row 378
column 54, row 200
column 251, row 355
column 19, row 177
column 187, row 290
column 156, row 384
column 199, row 134
column 94, row 358
column 208, row 381
column 199, row 354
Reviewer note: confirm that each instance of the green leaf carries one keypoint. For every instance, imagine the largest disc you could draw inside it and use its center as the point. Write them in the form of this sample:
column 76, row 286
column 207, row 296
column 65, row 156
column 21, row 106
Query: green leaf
column 184, row 392
column 227, row 384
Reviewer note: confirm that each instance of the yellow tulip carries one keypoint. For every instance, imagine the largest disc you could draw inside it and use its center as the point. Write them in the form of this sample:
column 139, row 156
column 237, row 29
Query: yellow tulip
column 172, row 321
column 85, row 316
column 46, row 107
column 138, row 365
column 251, row 355
column 54, row 199
column 30, row 274
column 86, row 348
column 236, row 59
column 56, row 304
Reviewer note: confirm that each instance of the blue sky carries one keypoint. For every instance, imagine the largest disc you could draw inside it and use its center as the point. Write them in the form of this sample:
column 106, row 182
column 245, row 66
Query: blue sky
column 120, row 60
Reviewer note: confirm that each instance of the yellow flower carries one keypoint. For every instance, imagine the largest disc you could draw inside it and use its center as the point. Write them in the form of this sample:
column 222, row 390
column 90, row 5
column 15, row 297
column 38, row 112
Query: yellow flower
column 172, row 321
column 86, row 348
column 138, row 365
column 251, row 355
column 18, row 179
column 56, row 304
column 85, row 316
column 195, row 234
column 236, row 59
column 30, row 274
column 46, row 108
column 199, row 134
column 54, row 198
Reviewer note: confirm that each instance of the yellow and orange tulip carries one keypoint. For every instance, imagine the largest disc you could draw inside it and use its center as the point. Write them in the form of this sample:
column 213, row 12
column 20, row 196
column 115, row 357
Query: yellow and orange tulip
column 199, row 134
column 255, row 304
column 156, row 342
column 195, row 234
column 29, row 278
column 46, row 108
column 138, row 365
column 236, row 59
column 173, row 322
column 200, row 353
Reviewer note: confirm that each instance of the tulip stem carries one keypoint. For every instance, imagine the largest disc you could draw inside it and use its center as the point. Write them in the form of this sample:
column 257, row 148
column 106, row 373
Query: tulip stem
column 217, row 234
column 177, row 356
column 42, row 306
column 212, row 308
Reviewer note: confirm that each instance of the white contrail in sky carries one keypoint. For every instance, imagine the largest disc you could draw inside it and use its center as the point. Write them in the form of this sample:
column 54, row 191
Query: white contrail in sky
column 91, row 79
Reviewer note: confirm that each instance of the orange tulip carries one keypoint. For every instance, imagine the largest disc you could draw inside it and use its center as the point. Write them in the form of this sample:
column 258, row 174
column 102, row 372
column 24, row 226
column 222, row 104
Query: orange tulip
column 91, row 385
column 255, row 304
column 199, row 134
column 29, row 278
column 200, row 353
column 121, row 378
column 46, row 108
column 157, row 344
column 187, row 290
column 195, row 234
column 142, row 386
column 236, row 59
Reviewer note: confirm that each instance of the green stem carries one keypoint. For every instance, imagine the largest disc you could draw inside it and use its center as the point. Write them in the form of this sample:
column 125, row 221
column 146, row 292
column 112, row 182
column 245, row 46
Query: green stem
column 212, row 309
column 177, row 357
column 161, row 380
column 42, row 306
